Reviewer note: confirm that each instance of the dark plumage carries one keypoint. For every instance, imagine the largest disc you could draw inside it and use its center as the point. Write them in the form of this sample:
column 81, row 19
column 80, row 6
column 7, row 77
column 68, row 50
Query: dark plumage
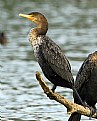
column 52, row 61
column 86, row 84
column 3, row 39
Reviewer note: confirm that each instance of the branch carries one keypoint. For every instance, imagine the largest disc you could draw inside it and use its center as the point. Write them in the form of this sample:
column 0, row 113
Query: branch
column 71, row 107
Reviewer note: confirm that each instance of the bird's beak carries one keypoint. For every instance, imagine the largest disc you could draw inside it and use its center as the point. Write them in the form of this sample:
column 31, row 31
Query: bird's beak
column 27, row 16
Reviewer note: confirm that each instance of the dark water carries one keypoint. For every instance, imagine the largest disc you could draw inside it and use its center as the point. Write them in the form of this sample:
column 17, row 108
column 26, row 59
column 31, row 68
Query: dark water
column 72, row 24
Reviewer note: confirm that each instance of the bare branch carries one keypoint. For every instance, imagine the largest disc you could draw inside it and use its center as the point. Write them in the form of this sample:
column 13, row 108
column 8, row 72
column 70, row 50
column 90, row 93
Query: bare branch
column 71, row 107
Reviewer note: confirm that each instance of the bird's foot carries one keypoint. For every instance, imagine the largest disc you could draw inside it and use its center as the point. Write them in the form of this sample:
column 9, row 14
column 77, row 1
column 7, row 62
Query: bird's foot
column 50, row 97
column 92, row 111
column 53, row 88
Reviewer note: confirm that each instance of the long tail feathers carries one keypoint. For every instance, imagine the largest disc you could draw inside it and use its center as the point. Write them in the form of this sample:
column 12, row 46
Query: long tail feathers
column 78, row 96
column 75, row 117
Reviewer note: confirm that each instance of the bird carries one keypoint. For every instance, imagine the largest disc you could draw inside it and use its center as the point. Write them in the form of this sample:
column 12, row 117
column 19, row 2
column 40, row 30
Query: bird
column 3, row 39
column 86, row 84
column 49, row 55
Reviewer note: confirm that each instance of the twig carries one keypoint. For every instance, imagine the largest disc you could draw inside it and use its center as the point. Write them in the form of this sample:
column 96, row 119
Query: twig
column 71, row 107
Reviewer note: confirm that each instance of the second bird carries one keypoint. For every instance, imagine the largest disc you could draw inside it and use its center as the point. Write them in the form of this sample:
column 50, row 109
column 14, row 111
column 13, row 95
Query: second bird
column 86, row 85
column 52, row 61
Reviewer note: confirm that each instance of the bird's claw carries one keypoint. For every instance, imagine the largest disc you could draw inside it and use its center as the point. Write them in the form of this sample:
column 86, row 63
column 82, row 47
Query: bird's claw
column 92, row 111
column 50, row 97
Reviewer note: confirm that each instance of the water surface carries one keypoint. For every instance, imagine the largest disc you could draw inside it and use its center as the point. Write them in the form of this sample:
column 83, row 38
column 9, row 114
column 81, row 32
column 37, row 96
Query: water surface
column 72, row 25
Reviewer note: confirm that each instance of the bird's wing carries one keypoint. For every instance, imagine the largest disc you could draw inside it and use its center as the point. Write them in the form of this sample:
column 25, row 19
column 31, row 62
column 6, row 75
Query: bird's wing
column 85, row 71
column 55, row 58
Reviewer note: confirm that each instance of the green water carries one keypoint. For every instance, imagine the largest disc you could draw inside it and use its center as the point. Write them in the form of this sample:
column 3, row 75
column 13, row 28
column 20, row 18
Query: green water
column 72, row 25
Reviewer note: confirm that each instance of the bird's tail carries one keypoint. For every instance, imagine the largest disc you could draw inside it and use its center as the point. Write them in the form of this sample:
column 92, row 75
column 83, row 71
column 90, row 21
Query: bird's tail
column 78, row 97
column 75, row 117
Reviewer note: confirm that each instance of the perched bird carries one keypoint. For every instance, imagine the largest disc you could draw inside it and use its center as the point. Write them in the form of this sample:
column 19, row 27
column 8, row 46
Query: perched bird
column 52, row 61
column 3, row 39
column 86, row 84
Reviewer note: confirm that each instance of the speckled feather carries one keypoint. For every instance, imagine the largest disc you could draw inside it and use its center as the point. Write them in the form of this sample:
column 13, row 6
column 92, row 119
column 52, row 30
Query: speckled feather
column 53, row 55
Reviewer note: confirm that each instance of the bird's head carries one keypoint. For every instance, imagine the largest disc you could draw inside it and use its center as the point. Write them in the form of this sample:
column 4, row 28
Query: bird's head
column 36, row 17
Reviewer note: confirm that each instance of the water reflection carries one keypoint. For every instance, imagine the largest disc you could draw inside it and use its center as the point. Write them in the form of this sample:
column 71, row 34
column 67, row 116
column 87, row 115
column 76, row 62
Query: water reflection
column 72, row 24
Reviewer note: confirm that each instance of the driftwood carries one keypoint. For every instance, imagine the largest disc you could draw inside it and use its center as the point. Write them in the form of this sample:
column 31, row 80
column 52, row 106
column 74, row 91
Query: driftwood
column 71, row 107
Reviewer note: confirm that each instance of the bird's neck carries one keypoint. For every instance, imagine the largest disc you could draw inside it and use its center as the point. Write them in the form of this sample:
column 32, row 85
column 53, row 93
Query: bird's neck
column 41, row 29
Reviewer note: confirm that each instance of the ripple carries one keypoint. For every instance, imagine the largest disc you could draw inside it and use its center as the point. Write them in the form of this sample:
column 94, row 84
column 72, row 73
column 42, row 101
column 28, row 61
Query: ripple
column 72, row 25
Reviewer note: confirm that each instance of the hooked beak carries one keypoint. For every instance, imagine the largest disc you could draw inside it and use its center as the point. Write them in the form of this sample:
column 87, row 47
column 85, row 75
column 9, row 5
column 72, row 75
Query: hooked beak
column 27, row 16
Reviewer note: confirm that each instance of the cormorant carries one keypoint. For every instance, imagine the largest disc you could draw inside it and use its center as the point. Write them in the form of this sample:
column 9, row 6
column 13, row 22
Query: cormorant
column 86, row 84
column 3, row 39
column 49, row 55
